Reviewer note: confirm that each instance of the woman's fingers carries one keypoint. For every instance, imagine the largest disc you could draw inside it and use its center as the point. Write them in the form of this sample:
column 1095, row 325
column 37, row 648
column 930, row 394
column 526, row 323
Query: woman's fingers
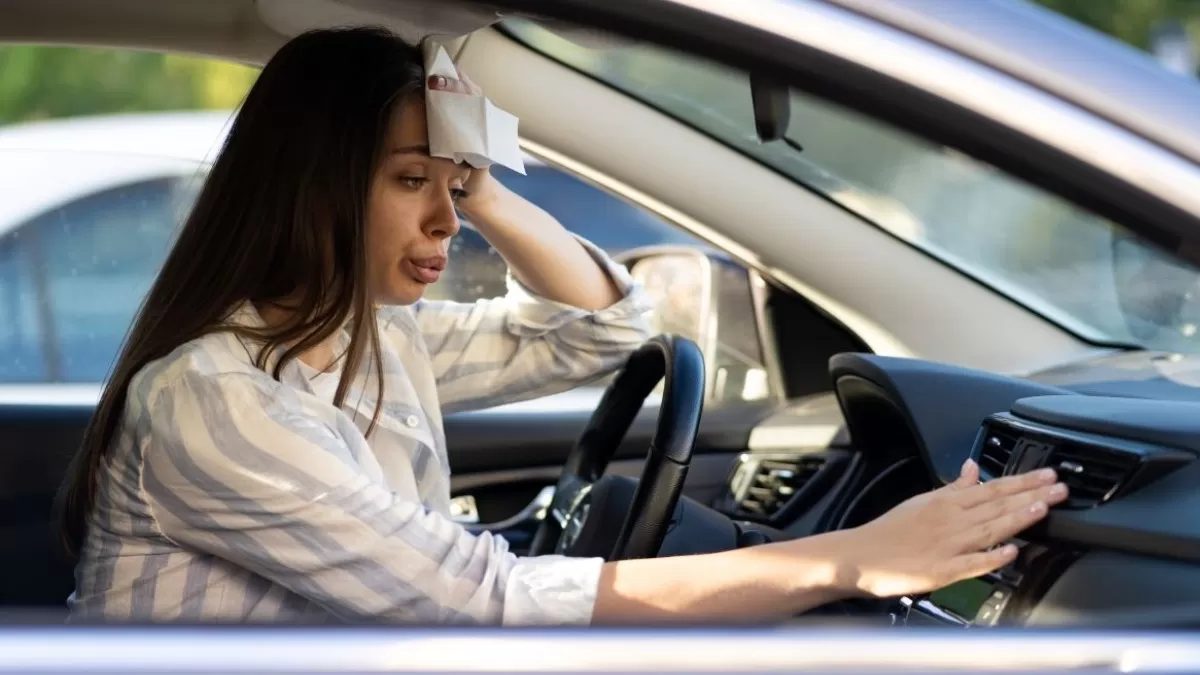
column 968, row 476
column 947, row 535
column 1047, row 494
column 998, row 488
column 450, row 84
column 976, row 564
column 1003, row 527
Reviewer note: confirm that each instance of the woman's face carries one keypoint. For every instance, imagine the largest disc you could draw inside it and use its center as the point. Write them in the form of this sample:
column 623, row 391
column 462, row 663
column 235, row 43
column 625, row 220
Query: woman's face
column 410, row 211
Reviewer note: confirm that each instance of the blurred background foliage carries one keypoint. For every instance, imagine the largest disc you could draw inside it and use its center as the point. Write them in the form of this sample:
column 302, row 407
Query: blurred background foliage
column 39, row 82
column 1131, row 21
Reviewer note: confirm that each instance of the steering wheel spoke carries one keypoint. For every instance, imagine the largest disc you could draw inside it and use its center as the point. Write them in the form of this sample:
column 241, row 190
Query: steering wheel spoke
column 567, row 494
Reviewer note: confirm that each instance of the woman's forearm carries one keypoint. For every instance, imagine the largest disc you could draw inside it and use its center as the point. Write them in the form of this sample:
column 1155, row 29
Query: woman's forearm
column 925, row 543
column 538, row 249
column 756, row 584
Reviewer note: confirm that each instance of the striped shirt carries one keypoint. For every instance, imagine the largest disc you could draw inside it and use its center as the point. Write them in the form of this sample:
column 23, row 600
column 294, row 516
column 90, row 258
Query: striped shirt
column 230, row 496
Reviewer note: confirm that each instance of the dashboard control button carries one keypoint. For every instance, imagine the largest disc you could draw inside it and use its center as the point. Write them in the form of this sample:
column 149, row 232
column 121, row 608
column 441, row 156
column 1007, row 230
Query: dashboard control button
column 989, row 613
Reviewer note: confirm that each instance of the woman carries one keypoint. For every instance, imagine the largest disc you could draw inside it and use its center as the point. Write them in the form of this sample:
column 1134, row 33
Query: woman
column 270, row 447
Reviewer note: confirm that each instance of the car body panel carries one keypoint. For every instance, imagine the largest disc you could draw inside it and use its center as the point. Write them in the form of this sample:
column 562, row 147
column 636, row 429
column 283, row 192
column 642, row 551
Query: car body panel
column 1109, row 78
column 141, row 650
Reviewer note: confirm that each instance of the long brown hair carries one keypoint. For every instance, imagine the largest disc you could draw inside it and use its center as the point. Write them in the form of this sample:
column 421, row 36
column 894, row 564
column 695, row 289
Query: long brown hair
column 280, row 216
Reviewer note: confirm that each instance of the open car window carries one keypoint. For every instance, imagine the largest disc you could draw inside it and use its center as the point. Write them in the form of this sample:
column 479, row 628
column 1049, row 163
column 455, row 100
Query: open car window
column 613, row 224
column 102, row 160
column 1090, row 275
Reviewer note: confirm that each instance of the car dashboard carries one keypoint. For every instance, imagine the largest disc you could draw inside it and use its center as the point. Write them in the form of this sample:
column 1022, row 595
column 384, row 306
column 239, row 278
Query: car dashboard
column 1123, row 551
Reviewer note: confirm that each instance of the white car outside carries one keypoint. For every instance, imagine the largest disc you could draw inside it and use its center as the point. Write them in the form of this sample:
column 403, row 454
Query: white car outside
column 91, row 207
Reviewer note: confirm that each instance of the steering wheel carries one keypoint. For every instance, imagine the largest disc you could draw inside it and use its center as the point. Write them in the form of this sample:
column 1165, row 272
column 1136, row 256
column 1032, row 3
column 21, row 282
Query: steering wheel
column 614, row 517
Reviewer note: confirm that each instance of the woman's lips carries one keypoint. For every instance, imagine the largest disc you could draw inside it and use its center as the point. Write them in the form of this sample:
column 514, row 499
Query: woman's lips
column 425, row 270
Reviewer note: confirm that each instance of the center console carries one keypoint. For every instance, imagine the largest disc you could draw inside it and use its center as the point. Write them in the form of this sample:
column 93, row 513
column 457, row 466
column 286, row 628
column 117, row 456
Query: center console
column 1096, row 468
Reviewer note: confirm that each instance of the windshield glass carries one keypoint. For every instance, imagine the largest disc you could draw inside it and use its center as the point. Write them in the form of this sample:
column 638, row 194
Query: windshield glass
column 1088, row 274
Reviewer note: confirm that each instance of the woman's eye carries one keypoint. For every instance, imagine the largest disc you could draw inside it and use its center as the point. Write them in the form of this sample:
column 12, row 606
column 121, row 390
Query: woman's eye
column 459, row 194
column 413, row 182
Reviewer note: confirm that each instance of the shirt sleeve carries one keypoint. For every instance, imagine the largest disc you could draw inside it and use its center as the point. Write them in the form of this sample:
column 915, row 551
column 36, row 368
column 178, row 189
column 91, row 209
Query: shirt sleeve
column 234, row 470
column 522, row 345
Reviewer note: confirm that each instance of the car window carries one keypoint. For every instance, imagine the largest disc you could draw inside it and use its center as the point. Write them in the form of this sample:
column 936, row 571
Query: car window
column 21, row 331
column 613, row 224
column 74, row 276
column 617, row 226
column 75, row 266
column 1090, row 275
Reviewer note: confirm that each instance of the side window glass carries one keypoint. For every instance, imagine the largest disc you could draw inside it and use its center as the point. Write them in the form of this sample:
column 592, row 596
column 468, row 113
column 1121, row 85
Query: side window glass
column 74, row 277
column 21, row 332
column 705, row 298
column 611, row 223
column 100, row 150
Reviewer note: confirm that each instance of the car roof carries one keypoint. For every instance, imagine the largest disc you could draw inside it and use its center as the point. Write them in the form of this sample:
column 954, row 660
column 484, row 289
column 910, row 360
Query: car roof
column 1079, row 64
column 189, row 135
column 47, row 164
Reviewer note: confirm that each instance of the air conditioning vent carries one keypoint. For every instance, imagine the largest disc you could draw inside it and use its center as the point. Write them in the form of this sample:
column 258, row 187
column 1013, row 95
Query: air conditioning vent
column 1092, row 474
column 762, row 486
column 998, row 445
column 1095, row 468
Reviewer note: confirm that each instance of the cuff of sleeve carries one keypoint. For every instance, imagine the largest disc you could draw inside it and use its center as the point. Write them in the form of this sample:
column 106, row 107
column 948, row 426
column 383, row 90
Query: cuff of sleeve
column 540, row 314
column 552, row 591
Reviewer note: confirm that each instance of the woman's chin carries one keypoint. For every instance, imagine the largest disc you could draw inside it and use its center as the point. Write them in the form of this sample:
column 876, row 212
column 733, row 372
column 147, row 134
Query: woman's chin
column 402, row 292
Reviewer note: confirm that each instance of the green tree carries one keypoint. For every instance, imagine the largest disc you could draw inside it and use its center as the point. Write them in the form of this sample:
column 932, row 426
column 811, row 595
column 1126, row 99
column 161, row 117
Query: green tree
column 39, row 82
column 1130, row 21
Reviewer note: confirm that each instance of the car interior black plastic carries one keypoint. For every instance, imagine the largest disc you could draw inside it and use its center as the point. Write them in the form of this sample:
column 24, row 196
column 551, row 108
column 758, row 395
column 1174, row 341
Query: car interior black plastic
column 1169, row 424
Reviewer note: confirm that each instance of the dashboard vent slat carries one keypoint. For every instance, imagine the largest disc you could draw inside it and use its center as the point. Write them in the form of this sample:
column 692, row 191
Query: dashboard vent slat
column 1091, row 474
column 761, row 487
column 1095, row 468
column 998, row 445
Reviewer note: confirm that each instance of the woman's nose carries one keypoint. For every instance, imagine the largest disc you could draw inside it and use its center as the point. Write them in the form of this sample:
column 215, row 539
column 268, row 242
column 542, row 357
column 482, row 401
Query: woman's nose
column 443, row 221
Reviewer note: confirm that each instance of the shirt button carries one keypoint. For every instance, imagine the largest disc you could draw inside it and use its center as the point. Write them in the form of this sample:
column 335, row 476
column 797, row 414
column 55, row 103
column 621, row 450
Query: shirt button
column 411, row 421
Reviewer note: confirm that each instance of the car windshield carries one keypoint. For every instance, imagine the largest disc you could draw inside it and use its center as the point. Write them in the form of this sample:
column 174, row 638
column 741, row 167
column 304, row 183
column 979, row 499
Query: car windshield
column 1088, row 274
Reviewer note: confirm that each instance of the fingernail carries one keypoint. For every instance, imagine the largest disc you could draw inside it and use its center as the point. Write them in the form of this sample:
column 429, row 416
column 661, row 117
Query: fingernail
column 968, row 464
column 1038, row 508
column 1058, row 490
column 1047, row 474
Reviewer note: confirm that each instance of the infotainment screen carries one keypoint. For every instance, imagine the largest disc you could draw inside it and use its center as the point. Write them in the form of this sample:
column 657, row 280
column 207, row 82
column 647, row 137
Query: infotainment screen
column 980, row 601
column 1003, row 597
column 963, row 598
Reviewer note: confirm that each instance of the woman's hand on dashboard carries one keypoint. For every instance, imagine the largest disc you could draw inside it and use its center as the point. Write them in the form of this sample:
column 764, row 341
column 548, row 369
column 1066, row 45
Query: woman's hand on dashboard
column 953, row 533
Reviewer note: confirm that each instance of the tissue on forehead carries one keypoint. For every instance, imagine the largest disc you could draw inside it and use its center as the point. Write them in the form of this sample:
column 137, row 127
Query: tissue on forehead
column 467, row 127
